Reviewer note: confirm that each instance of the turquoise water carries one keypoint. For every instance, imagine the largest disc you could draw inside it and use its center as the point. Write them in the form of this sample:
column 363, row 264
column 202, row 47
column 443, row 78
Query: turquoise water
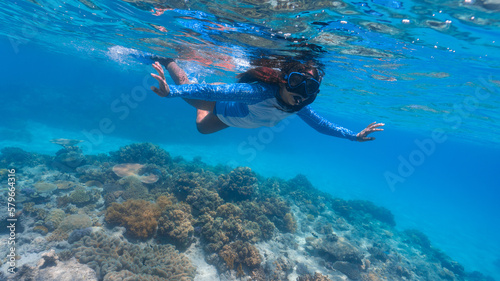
column 428, row 69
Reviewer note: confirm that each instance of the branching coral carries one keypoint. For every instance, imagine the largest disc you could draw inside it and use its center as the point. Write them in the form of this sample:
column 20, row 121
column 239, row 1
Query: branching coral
column 243, row 253
column 203, row 200
column 139, row 217
column 110, row 256
column 175, row 226
column 142, row 153
column 226, row 226
column 229, row 210
column 278, row 212
column 290, row 223
column 187, row 181
column 240, row 184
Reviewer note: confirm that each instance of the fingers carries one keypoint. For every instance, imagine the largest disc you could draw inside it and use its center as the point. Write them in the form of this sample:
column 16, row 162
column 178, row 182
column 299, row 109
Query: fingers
column 157, row 91
column 163, row 90
column 363, row 139
column 161, row 81
column 373, row 127
column 158, row 78
column 157, row 66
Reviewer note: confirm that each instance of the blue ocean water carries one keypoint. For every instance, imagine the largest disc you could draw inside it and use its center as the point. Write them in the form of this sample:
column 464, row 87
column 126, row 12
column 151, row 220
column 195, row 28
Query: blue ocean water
column 428, row 69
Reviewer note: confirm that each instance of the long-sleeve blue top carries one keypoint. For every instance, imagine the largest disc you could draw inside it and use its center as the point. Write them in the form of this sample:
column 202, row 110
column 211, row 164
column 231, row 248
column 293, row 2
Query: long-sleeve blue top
column 252, row 105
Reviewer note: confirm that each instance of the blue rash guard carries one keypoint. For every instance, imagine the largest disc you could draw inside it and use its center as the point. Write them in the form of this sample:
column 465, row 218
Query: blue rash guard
column 253, row 105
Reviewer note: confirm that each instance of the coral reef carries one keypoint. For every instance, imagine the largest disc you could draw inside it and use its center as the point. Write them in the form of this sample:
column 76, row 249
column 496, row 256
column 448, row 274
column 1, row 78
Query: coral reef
column 16, row 157
column 335, row 249
column 110, row 255
column 139, row 217
column 79, row 196
column 230, row 222
column 317, row 277
column 101, row 173
column 50, row 267
column 73, row 222
column 357, row 209
column 54, row 218
column 134, row 170
column 45, row 188
column 240, row 184
column 68, row 159
column 64, row 185
column 78, row 234
column 203, row 200
column 142, row 153
column 240, row 253
column 175, row 226
column 303, row 194
column 349, row 269
column 133, row 188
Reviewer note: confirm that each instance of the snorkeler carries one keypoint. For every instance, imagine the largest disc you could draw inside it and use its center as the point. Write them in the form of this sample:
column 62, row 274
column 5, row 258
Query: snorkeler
column 262, row 97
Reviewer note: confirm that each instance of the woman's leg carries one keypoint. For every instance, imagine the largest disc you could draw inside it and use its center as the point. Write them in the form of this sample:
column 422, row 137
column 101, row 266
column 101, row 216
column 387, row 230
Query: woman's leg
column 206, row 121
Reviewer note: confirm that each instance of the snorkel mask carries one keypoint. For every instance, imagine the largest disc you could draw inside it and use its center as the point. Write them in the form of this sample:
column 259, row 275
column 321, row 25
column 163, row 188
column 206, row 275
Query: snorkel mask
column 302, row 84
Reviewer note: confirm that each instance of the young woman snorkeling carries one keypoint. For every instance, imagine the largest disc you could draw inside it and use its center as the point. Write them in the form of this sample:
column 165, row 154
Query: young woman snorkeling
column 262, row 97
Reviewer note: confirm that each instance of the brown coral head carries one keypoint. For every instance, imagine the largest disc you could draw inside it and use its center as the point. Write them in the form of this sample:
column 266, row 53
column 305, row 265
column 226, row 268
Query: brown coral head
column 132, row 169
column 65, row 142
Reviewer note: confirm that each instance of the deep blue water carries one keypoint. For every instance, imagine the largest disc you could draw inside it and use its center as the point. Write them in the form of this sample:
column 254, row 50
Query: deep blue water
column 61, row 78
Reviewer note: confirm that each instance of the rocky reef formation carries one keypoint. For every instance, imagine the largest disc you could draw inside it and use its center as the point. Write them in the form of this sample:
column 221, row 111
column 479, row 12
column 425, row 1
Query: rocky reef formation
column 138, row 214
column 109, row 256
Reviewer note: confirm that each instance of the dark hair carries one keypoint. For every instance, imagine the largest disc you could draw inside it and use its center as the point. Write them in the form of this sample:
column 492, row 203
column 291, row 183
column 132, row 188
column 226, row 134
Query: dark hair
column 260, row 74
column 273, row 76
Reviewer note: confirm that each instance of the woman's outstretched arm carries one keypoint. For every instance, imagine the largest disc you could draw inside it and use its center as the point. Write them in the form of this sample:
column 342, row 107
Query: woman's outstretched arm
column 326, row 127
column 239, row 92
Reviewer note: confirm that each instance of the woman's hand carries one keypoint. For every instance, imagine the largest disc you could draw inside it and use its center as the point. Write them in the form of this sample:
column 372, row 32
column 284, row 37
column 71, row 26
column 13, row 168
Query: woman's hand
column 373, row 127
column 164, row 90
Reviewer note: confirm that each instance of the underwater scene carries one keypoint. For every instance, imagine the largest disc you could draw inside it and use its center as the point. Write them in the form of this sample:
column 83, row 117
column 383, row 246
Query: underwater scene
column 277, row 140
